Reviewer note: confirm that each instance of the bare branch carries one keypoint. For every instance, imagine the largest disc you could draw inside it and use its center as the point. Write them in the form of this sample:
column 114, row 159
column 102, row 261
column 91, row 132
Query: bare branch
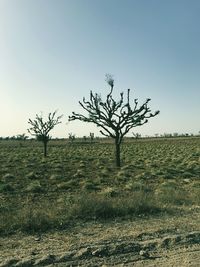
column 115, row 118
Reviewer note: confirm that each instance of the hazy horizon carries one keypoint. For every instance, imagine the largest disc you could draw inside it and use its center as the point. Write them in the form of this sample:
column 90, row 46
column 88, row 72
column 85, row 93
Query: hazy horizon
column 54, row 52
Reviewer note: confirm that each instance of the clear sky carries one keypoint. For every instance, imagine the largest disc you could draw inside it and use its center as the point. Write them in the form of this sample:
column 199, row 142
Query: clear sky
column 53, row 52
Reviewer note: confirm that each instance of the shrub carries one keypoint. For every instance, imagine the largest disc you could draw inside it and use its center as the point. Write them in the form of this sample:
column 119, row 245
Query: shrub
column 170, row 193
column 8, row 177
column 31, row 176
column 6, row 188
column 36, row 220
column 105, row 207
column 35, row 187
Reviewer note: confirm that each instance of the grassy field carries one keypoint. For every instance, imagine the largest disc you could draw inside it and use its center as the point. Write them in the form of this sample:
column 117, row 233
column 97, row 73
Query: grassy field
column 79, row 182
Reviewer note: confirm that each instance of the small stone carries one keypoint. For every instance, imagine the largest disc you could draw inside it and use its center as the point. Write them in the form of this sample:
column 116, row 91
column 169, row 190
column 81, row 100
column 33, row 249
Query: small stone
column 100, row 252
column 144, row 253
column 96, row 252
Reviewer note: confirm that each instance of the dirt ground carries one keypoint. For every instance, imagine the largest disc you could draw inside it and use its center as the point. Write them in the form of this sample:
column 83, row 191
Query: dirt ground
column 167, row 240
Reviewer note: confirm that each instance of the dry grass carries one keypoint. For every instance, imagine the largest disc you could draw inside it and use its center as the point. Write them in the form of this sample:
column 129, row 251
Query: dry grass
column 40, row 214
column 80, row 182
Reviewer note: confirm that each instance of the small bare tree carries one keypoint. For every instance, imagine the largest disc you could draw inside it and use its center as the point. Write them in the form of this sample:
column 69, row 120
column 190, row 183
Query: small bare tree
column 72, row 137
column 22, row 137
column 84, row 138
column 91, row 137
column 41, row 128
column 136, row 135
column 115, row 118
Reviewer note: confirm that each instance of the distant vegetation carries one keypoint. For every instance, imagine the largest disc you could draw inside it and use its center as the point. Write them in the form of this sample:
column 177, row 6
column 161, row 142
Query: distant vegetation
column 85, row 138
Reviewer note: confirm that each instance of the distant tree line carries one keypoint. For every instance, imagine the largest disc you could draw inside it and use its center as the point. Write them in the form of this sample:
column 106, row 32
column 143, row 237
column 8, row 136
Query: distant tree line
column 72, row 137
column 20, row 137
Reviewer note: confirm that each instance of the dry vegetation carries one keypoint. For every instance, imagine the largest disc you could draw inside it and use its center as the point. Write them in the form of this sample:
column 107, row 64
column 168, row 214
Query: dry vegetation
column 78, row 184
column 80, row 181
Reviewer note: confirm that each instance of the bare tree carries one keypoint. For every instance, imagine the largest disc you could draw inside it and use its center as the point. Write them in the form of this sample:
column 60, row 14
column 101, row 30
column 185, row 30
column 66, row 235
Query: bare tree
column 72, row 137
column 136, row 135
column 22, row 137
column 115, row 118
column 84, row 138
column 91, row 137
column 41, row 128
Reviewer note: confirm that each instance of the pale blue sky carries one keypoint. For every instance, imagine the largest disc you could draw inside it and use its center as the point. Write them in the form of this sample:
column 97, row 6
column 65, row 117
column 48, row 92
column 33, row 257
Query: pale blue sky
column 53, row 52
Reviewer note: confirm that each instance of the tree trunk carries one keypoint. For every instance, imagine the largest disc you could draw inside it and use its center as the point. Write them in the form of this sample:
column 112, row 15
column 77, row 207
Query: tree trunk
column 45, row 148
column 117, row 152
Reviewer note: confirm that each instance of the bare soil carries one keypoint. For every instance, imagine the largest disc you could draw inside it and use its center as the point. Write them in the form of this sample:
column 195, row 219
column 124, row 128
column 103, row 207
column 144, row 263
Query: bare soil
column 167, row 240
